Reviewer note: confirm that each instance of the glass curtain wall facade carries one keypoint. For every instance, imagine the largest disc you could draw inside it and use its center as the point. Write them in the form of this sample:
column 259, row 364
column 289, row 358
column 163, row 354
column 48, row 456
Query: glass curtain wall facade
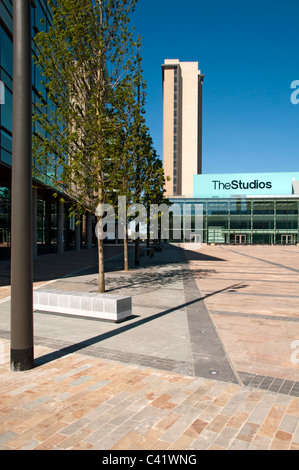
column 247, row 221
column 46, row 206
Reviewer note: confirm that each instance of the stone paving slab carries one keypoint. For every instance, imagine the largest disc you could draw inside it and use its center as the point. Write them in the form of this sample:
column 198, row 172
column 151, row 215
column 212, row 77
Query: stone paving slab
column 170, row 325
column 142, row 385
column 251, row 293
column 80, row 402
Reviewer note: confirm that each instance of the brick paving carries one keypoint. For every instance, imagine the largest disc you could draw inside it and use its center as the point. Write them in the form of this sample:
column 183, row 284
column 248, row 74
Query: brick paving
column 80, row 402
column 140, row 385
column 255, row 305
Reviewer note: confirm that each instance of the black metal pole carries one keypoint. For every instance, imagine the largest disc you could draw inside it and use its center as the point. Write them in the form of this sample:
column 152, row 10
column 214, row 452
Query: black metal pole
column 22, row 356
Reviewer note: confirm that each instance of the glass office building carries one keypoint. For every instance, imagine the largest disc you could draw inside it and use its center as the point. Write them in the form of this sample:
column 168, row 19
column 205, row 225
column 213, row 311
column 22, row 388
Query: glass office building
column 247, row 221
column 246, row 208
column 236, row 208
column 46, row 207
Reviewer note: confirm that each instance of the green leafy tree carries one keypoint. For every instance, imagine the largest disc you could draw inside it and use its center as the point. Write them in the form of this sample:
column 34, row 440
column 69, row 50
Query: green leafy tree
column 153, row 183
column 86, row 59
column 140, row 173
column 132, row 124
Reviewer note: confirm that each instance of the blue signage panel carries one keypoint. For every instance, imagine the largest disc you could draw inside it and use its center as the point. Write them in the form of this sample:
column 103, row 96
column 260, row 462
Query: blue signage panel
column 244, row 184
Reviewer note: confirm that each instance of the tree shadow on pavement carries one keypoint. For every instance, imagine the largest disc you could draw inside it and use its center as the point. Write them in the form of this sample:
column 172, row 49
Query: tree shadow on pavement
column 149, row 278
column 73, row 348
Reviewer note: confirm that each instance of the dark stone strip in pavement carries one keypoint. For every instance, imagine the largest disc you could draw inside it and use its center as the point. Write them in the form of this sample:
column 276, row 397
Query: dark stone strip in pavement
column 257, row 280
column 210, row 359
column 255, row 315
column 274, row 384
column 260, row 273
column 257, row 294
column 62, row 348
column 271, row 384
column 289, row 268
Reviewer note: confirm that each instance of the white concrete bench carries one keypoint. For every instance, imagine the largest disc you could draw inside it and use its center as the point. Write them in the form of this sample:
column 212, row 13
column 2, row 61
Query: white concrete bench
column 85, row 304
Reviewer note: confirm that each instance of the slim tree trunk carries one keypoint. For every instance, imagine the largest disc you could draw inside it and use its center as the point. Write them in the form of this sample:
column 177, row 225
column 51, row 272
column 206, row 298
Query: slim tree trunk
column 101, row 256
column 126, row 257
column 101, row 266
column 148, row 222
column 137, row 248
column 100, row 234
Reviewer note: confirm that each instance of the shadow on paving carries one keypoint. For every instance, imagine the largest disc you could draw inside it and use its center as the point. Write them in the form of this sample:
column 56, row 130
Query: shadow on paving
column 149, row 278
column 167, row 269
column 168, row 259
column 52, row 266
column 102, row 337
column 198, row 256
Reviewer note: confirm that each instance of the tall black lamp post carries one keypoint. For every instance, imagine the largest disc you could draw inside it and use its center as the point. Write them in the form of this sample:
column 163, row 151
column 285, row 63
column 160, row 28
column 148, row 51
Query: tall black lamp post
column 22, row 355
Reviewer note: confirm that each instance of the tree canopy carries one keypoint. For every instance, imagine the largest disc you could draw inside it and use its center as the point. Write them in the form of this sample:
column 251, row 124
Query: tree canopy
column 90, row 134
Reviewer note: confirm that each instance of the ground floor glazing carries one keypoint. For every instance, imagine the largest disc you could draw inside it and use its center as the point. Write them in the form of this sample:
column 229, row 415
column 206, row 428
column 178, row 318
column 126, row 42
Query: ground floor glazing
column 53, row 228
column 247, row 221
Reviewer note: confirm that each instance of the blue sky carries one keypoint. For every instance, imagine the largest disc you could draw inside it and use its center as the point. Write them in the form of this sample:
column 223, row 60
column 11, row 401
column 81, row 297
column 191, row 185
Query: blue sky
column 248, row 52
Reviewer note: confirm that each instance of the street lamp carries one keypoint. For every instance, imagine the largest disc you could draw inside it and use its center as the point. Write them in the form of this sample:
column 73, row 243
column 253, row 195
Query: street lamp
column 22, row 357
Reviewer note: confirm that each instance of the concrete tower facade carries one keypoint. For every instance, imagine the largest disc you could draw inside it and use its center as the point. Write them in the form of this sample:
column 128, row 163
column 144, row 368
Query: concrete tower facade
column 182, row 125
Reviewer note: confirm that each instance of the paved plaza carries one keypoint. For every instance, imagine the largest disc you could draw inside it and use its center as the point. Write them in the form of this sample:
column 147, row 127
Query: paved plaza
column 209, row 359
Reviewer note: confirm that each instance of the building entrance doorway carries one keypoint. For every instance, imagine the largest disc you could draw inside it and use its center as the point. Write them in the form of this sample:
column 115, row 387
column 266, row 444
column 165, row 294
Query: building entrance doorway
column 286, row 239
column 240, row 239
